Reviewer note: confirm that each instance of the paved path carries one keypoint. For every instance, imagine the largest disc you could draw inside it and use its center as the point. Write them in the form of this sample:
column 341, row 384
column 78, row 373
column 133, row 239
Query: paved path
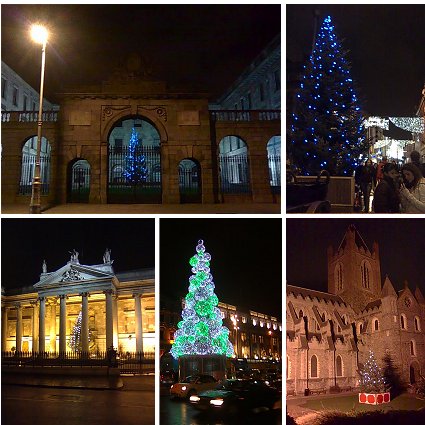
column 149, row 209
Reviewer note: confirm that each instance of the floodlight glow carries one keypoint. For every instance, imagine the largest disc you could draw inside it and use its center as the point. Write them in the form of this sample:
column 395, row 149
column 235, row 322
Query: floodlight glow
column 39, row 34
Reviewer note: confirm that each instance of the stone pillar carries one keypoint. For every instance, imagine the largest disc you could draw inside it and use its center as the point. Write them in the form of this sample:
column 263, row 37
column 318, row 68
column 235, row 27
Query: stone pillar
column 18, row 342
column 84, row 322
column 62, row 324
column 109, row 318
column 138, row 321
column 41, row 325
column 4, row 327
column 115, row 312
column 34, row 326
column 53, row 325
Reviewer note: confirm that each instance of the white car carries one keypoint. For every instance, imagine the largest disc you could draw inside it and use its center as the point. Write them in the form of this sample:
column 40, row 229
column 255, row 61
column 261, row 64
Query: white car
column 192, row 385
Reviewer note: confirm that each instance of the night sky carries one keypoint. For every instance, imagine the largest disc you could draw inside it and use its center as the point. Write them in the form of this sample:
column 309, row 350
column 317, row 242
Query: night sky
column 202, row 47
column 387, row 50
column 401, row 245
column 246, row 261
column 27, row 242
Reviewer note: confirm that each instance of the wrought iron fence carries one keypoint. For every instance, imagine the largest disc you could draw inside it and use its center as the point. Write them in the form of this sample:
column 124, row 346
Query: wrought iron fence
column 25, row 116
column 138, row 187
column 234, row 173
column 27, row 173
column 136, row 363
column 274, row 172
column 80, row 184
column 189, row 185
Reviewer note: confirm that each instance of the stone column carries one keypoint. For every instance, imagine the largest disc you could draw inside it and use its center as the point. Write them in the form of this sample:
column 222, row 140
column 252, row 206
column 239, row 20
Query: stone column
column 62, row 324
column 4, row 327
column 53, row 325
column 34, row 326
column 109, row 318
column 18, row 343
column 84, row 322
column 138, row 321
column 41, row 325
column 115, row 312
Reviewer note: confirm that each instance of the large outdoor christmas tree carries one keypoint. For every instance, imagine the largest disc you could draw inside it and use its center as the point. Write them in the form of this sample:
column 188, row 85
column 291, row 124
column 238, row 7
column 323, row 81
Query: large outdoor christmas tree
column 201, row 331
column 135, row 162
column 327, row 125
column 75, row 342
column 371, row 377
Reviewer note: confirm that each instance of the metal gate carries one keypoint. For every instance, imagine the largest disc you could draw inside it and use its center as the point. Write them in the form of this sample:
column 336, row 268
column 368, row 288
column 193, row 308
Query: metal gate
column 126, row 185
column 274, row 173
column 80, row 182
column 27, row 173
column 190, row 183
column 234, row 173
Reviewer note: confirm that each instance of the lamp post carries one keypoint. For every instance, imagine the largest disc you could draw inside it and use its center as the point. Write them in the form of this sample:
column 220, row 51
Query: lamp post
column 39, row 35
column 235, row 321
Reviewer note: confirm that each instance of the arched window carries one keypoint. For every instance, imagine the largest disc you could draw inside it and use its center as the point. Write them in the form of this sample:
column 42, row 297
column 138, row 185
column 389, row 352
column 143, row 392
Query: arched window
column 366, row 274
column 339, row 277
column 359, row 328
column 314, row 367
column 300, row 314
column 403, row 321
column 412, row 348
column 288, row 367
column 417, row 324
column 273, row 158
column 375, row 325
column 338, row 366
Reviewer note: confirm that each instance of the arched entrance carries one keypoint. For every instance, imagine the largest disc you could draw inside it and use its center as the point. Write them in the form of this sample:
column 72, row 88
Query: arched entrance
column 134, row 162
column 79, row 181
column 273, row 159
column 414, row 373
column 190, row 181
column 29, row 153
column 234, row 165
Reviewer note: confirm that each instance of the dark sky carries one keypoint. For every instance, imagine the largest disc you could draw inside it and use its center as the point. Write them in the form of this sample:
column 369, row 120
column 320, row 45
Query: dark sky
column 203, row 46
column 401, row 245
column 246, row 261
column 387, row 50
column 27, row 242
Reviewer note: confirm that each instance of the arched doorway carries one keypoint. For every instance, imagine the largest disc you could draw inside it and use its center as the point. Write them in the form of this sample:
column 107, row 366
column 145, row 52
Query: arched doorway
column 134, row 162
column 190, row 181
column 234, row 165
column 273, row 159
column 29, row 153
column 79, row 181
column 414, row 373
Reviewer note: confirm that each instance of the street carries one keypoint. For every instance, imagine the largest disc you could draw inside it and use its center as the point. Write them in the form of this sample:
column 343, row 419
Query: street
column 36, row 406
column 178, row 412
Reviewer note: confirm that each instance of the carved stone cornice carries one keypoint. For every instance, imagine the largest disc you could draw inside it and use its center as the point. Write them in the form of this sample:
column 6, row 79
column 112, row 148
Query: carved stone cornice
column 160, row 111
column 110, row 110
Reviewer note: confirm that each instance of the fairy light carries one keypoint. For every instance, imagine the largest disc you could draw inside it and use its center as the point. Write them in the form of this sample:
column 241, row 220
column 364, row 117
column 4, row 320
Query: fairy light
column 412, row 124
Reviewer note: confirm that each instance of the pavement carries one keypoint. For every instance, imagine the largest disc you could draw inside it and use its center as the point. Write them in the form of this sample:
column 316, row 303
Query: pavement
column 245, row 208
column 127, row 383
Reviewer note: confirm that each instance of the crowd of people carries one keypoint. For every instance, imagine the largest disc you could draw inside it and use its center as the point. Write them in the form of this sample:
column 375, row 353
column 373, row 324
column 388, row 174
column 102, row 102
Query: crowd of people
column 395, row 189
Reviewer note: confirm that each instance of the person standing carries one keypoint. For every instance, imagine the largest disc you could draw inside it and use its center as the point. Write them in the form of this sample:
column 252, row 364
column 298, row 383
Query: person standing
column 379, row 169
column 415, row 159
column 365, row 179
column 386, row 198
column 412, row 190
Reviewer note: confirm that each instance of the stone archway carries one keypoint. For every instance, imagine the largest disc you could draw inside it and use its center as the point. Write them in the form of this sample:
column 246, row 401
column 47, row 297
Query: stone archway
column 190, row 186
column 134, row 158
column 78, row 178
column 414, row 373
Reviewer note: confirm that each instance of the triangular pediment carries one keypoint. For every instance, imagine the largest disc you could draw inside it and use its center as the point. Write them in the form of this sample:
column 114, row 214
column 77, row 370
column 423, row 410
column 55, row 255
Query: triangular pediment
column 74, row 273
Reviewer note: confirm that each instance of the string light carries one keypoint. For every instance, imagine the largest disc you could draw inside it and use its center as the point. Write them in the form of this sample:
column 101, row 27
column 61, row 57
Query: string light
column 201, row 332
column 135, row 162
column 412, row 124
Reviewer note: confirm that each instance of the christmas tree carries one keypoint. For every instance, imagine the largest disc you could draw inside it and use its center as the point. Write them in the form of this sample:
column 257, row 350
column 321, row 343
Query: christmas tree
column 135, row 162
column 327, row 126
column 75, row 342
column 201, row 331
column 371, row 377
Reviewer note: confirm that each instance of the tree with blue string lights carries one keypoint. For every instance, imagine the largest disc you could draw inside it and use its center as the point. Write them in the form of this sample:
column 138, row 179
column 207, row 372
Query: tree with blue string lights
column 135, row 162
column 327, row 126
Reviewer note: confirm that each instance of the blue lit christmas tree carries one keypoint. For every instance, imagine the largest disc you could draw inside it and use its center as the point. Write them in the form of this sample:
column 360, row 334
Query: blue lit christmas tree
column 201, row 332
column 135, row 162
column 327, row 125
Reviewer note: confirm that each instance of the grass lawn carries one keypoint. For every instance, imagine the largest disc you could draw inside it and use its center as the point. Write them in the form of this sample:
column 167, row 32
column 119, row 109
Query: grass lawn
column 351, row 403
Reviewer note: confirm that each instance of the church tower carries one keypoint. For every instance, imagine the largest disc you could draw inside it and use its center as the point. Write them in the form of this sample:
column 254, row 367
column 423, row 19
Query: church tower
column 354, row 272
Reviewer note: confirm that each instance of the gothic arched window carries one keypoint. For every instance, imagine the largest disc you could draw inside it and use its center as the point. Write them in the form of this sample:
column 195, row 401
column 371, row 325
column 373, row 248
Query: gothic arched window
column 339, row 277
column 366, row 274
column 403, row 321
column 338, row 366
column 412, row 348
column 314, row 367
column 417, row 324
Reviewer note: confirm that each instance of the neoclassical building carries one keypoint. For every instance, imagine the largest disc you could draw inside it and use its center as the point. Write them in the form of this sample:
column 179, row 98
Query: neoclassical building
column 117, row 309
column 329, row 334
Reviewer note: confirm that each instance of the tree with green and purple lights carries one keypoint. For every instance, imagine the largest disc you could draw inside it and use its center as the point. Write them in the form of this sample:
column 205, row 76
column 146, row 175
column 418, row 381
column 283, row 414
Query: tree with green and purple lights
column 201, row 330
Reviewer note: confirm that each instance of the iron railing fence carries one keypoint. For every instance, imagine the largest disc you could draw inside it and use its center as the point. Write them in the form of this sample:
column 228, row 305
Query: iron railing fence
column 189, row 185
column 80, row 184
column 274, row 172
column 27, row 173
column 28, row 116
column 234, row 173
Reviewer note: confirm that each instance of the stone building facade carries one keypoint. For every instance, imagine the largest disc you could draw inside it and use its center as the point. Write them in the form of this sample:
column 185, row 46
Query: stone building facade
column 117, row 309
column 329, row 335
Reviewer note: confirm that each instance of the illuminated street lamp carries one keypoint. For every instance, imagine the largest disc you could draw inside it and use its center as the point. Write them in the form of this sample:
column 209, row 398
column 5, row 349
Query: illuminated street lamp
column 235, row 321
column 39, row 35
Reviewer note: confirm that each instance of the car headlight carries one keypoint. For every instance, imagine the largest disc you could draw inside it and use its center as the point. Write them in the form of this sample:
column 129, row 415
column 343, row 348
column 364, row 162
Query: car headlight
column 217, row 402
column 184, row 388
column 194, row 398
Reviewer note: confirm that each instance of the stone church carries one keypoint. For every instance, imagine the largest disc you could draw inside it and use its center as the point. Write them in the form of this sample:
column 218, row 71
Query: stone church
column 329, row 334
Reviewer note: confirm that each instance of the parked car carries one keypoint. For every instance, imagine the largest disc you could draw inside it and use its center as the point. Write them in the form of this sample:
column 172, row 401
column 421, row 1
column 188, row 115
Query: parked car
column 192, row 385
column 168, row 377
column 236, row 396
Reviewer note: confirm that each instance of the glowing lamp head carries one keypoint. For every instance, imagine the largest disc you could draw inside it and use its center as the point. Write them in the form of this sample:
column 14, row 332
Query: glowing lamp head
column 39, row 34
